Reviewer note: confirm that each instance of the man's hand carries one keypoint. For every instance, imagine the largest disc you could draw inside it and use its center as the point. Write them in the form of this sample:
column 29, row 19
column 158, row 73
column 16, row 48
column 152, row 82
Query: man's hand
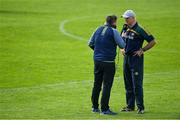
column 147, row 47
column 122, row 51
column 139, row 53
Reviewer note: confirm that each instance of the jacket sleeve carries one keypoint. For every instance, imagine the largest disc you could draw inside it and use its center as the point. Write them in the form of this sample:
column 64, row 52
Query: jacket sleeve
column 146, row 35
column 118, row 39
column 91, row 42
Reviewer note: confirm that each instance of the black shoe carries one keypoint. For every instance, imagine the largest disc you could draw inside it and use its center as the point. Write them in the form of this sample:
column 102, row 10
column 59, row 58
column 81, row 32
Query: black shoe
column 140, row 111
column 127, row 109
column 108, row 112
column 95, row 110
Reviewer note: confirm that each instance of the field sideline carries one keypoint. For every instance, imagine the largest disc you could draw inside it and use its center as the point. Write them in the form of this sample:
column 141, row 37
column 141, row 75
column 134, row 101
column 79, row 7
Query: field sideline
column 46, row 67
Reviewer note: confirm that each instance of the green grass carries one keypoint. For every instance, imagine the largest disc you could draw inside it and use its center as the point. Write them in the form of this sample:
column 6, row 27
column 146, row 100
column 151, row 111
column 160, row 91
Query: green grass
column 46, row 74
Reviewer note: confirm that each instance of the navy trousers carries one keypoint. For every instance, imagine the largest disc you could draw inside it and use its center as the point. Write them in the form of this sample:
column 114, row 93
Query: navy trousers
column 133, row 79
column 103, row 75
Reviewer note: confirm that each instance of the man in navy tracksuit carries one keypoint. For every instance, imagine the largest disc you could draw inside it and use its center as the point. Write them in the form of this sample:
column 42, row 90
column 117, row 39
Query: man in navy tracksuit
column 104, row 42
column 134, row 36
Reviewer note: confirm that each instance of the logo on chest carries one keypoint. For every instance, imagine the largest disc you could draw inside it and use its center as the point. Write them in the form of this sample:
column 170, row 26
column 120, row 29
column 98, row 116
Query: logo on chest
column 128, row 35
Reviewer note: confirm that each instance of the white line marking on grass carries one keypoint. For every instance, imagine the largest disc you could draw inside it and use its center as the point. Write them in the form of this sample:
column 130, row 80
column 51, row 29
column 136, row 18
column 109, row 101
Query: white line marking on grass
column 168, row 51
column 63, row 30
column 72, row 83
column 163, row 73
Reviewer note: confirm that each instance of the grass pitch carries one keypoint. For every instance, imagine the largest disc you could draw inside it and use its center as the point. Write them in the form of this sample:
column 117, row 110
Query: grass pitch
column 46, row 68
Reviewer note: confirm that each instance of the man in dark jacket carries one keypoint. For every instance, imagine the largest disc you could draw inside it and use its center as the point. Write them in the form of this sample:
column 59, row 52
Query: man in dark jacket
column 104, row 42
column 134, row 36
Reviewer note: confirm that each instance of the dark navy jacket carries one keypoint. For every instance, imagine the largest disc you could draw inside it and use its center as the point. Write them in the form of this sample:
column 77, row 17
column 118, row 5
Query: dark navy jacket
column 104, row 42
column 134, row 38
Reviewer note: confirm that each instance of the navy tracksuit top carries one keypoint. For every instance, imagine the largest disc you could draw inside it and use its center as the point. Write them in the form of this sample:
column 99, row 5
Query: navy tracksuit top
column 104, row 42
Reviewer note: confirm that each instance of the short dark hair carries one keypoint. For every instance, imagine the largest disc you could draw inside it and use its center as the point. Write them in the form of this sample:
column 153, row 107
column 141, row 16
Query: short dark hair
column 110, row 19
